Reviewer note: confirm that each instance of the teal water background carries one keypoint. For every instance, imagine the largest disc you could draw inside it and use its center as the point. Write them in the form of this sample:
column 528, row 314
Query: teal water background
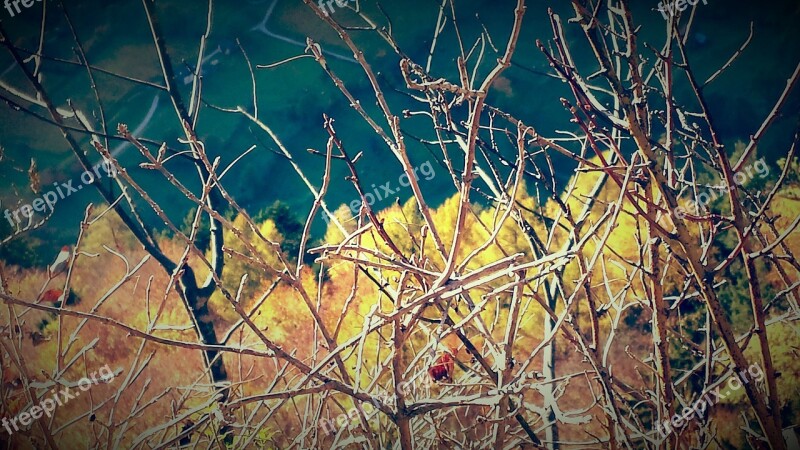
column 294, row 96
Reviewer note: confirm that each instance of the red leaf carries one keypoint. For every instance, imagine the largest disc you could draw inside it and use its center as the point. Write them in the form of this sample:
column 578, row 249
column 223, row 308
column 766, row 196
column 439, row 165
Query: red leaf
column 443, row 368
